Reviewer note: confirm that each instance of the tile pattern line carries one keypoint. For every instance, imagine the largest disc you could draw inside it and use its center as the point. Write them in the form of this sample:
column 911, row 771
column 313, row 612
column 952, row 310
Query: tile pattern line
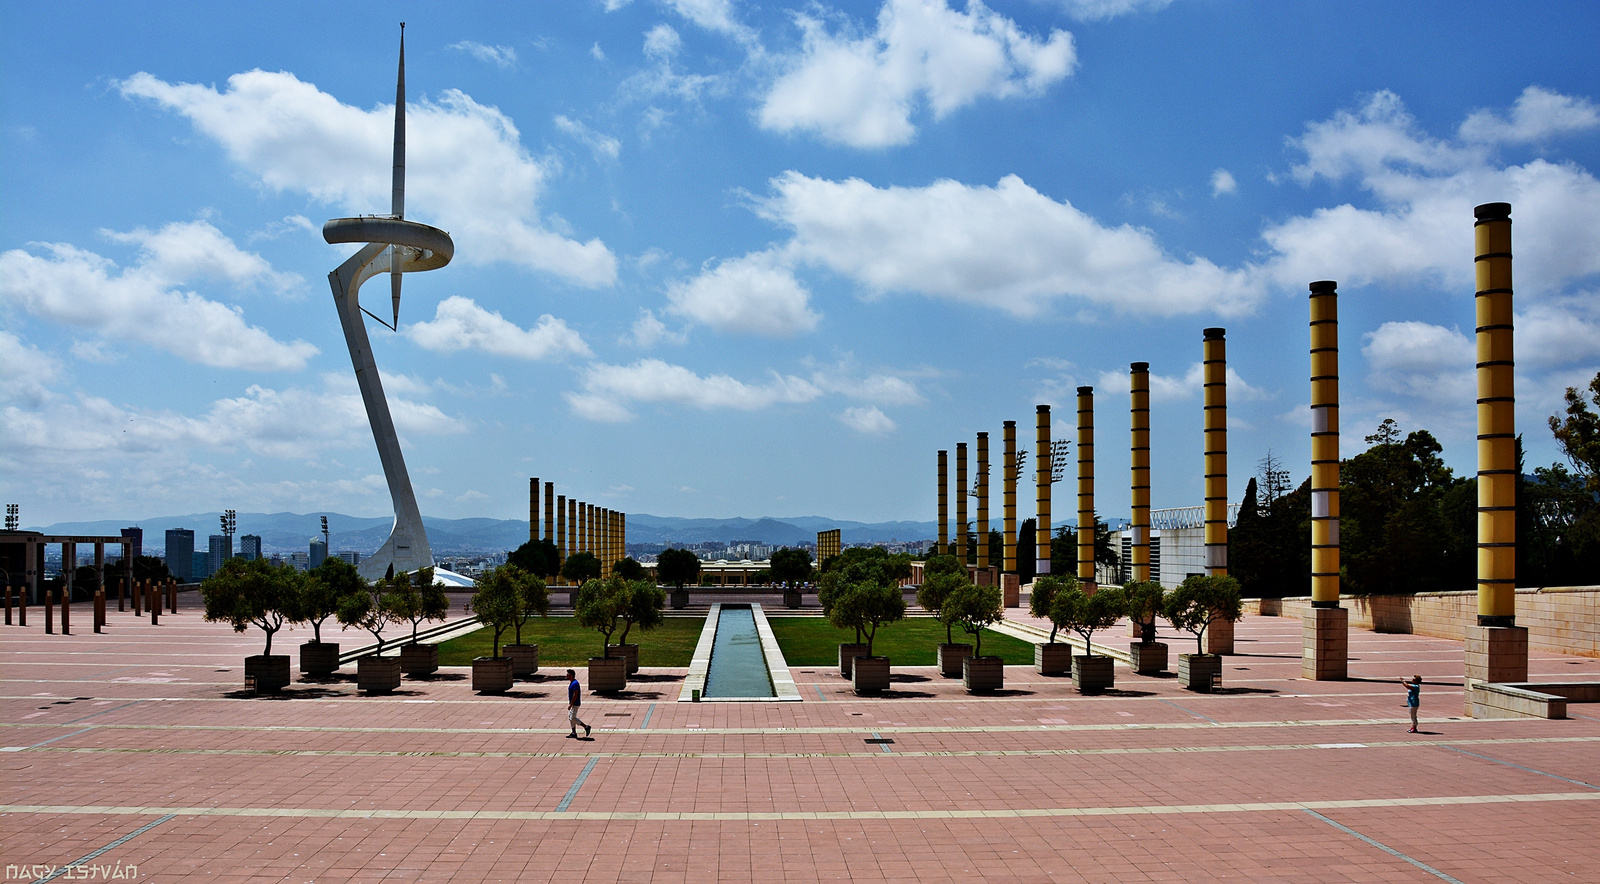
column 62, row 737
column 1519, row 767
column 1191, row 712
column 576, row 785
column 1386, row 848
column 112, row 846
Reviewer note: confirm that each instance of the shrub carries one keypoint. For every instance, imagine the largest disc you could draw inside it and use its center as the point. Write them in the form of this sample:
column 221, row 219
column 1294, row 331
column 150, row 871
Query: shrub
column 974, row 608
column 1045, row 590
column 1200, row 601
column 253, row 593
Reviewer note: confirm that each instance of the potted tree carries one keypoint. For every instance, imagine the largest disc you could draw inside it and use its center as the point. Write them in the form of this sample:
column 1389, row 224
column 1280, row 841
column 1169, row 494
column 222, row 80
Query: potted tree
column 367, row 607
column 677, row 567
column 1051, row 657
column 628, row 568
column 417, row 598
column 1198, row 602
column 941, row 576
column 254, row 593
column 641, row 605
column 1145, row 600
column 974, row 609
column 830, row 588
column 791, row 566
column 1085, row 614
column 496, row 604
column 320, row 593
column 866, row 606
column 533, row 597
column 599, row 607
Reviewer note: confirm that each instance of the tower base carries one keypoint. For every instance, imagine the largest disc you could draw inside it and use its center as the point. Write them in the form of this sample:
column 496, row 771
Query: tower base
column 1010, row 590
column 1219, row 637
column 1325, row 644
column 1495, row 654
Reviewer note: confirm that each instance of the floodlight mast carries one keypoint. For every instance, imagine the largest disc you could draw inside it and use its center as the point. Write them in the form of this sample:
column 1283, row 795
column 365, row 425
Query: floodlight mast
column 409, row 247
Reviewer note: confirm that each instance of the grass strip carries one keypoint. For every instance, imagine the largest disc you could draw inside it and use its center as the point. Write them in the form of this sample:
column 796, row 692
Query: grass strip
column 812, row 641
column 562, row 642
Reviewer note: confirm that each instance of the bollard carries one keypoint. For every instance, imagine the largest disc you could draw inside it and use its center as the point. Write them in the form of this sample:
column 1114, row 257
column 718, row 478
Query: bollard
column 139, row 588
column 66, row 609
column 172, row 596
column 155, row 605
column 99, row 610
column 8, row 604
column 49, row 611
column 122, row 588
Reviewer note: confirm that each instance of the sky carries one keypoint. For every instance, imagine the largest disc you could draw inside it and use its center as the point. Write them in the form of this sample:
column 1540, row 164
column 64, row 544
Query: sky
column 716, row 259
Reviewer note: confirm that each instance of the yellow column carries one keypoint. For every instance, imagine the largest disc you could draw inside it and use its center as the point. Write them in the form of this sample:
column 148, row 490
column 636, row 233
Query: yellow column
column 1497, row 460
column 622, row 532
column 944, row 504
column 1042, row 501
column 603, row 544
column 1139, row 452
column 1008, row 501
column 562, row 539
column 1215, row 372
column 1324, row 444
column 533, row 509
column 983, row 500
column 549, row 513
column 572, row 528
column 961, row 503
column 1086, row 526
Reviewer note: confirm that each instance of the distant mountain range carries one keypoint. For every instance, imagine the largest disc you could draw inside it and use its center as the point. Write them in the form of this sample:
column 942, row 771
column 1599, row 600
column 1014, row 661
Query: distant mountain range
column 292, row 532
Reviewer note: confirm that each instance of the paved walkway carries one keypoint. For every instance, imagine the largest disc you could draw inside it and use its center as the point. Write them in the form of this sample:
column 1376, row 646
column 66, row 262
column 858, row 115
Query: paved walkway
column 136, row 748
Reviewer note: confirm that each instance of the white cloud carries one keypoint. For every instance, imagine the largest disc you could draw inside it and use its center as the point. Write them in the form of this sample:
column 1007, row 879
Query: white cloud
column 501, row 56
column 602, row 145
column 714, row 15
column 880, row 388
column 755, row 294
column 1563, row 331
column 1177, row 388
column 1006, row 247
column 25, row 371
column 596, row 53
column 868, row 420
column 662, row 41
column 607, row 390
column 460, row 324
column 1100, row 10
column 144, row 303
column 661, row 45
column 1420, row 359
column 1222, row 183
column 1538, row 114
column 467, row 169
column 863, row 91
column 648, row 331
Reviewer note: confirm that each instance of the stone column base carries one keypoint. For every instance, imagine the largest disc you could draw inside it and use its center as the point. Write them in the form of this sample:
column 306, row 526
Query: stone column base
column 1219, row 637
column 1325, row 644
column 1495, row 654
column 1010, row 590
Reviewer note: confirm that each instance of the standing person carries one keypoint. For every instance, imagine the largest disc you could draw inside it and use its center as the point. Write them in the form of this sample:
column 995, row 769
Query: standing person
column 1413, row 699
column 575, row 699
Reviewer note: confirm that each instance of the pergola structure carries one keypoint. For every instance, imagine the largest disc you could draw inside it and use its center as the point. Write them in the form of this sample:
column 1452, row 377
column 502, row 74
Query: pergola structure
column 22, row 554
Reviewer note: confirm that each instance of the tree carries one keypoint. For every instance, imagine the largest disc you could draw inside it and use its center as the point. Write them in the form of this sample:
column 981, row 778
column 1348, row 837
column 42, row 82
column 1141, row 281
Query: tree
column 499, row 600
column 866, row 606
column 935, row 592
column 1045, row 590
column 830, row 588
column 253, row 593
column 628, row 569
column 1145, row 600
column 580, row 567
column 325, row 586
column 677, row 567
column 974, row 608
column 536, row 557
column 1200, row 601
column 1579, row 434
column 945, row 564
column 416, row 598
column 1086, row 614
column 1394, row 534
column 1064, row 549
column 533, row 598
column 641, row 605
column 791, row 566
column 1027, row 551
column 368, row 608
column 1269, row 548
column 150, row 568
column 598, row 607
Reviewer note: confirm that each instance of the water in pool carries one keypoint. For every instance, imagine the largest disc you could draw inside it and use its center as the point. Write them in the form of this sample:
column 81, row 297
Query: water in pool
column 738, row 667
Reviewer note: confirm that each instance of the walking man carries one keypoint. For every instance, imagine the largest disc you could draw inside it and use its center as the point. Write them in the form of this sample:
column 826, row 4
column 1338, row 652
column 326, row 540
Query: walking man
column 1413, row 698
column 575, row 699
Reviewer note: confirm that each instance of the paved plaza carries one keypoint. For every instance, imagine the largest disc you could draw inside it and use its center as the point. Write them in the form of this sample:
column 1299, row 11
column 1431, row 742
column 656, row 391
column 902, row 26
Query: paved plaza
column 137, row 748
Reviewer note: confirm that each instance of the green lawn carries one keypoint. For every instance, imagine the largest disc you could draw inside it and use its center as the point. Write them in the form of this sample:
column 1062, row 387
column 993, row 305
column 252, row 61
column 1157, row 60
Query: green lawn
column 811, row 641
column 564, row 643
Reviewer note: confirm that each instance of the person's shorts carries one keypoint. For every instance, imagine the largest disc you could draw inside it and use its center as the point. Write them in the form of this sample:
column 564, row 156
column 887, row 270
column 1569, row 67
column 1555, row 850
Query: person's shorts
column 572, row 713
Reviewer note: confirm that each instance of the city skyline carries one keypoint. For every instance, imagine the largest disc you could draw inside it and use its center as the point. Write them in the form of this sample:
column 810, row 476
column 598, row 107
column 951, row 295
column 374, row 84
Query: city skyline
column 714, row 260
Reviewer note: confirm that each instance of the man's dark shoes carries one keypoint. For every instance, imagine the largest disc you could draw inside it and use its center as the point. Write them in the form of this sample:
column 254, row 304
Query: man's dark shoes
column 585, row 731
column 573, row 735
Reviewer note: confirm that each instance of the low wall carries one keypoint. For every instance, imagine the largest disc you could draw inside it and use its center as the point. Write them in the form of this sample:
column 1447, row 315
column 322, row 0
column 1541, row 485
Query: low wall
column 1563, row 619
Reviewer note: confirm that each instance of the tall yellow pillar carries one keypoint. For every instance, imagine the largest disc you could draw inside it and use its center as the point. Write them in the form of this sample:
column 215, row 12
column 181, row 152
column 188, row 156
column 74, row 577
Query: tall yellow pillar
column 563, row 538
column 961, row 503
column 1496, row 647
column 603, row 539
column 533, row 509
column 572, row 527
column 943, row 546
column 622, row 533
column 1325, row 629
column 1010, row 591
column 550, row 513
column 1086, row 525
column 1219, row 637
column 983, row 501
column 1043, row 477
column 1139, row 457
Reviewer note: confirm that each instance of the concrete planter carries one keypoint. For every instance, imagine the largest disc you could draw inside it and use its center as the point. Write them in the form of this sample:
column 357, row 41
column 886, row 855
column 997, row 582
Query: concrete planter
column 848, row 651
column 982, row 674
column 608, row 674
column 629, row 653
column 377, row 675
column 319, row 658
column 419, row 659
column 271, row 672
column 1198, row 672
column 680, row 599
column 524, row 659
column 1052, row 658
column 791, row 598
column 951, row 657
column 870, row 675
column 492, row 675
column 1147, row 658
column 1093, row 675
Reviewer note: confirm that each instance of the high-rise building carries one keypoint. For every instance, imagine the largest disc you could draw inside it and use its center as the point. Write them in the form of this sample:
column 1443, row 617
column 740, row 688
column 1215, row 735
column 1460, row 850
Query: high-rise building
column 221, row 550
column 350, row 556
column 319, row 551
column 137, row 536
column 180, row 554
column 250, row 547
column 197, row 570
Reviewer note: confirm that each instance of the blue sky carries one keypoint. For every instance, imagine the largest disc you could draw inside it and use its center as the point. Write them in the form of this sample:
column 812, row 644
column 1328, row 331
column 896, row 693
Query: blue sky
column 715, row 259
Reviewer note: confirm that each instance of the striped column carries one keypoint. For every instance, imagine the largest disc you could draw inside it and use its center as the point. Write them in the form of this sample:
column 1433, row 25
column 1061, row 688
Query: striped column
column 983, row 501
column 550, row 513
column 1008, row 501
column 1139, row 457
column 944, row 504
column 533, row 509
column 1086, row 525
column 1042, row 462
column 961, row 503
column 572, row 527
column 1325, row 629
column 1219, row 637
column 562, row 539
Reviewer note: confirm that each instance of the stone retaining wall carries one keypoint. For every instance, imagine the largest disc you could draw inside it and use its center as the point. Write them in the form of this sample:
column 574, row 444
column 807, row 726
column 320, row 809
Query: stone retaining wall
column 1563, row 619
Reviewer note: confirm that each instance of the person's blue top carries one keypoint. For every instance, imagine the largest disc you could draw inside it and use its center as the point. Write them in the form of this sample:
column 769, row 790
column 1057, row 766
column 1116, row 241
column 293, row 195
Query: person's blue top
column 1413, row 695
column 575, row 693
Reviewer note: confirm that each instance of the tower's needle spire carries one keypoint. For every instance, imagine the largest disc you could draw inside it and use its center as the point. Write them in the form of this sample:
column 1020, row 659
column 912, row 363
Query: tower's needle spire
column 398, row 208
